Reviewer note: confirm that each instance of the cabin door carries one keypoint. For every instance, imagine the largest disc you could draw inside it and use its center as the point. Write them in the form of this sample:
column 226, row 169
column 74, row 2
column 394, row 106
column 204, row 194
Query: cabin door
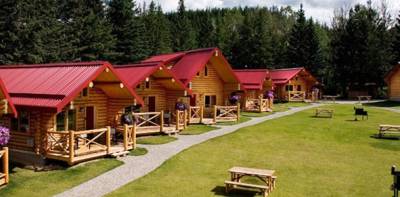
column 193, row 100
column 152, row 103
column 89, row 118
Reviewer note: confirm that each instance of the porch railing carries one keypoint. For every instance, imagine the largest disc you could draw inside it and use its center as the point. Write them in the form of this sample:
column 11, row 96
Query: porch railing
column 149, row 120
column 258, row 105
column 226, row 113
column 196, row 114
column 129, row 137
column 296, row 96
column 68, row 145
column 4, row 173
column 180, row 120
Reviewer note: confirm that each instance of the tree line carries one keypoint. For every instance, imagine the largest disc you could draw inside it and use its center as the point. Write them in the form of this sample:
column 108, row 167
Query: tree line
column 360, row 46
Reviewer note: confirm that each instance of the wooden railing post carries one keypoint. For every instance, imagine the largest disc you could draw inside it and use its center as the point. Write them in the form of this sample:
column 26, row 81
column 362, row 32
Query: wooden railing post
column 261, row 104
column 238, row 112
column 125, row 137
column 177, row 120
column 215, row 114
column 108, row 139
column 71, row 147
column 201, row 113
column 185, row 118
column 161, row 121
column 5, row 165
column 189, row 114
column 133, row 134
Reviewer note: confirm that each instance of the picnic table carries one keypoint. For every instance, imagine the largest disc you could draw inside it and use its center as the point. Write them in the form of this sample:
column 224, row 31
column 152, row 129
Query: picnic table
column 388, row 129
column 322, row 112
column 266, row 176
column 330, row 97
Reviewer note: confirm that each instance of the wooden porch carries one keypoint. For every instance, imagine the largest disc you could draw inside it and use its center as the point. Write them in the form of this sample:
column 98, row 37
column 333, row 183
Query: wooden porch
column 258, row 105
column 77, row 146
column 160, row 122
column 4, row 173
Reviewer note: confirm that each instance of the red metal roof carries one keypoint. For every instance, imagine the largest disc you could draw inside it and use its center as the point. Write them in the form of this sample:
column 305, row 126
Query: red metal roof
column 189, row 63
column 282, row 76
column 52, row 85
column 4, row 90
column 252, row 79
column 166, row 58
column 134, row 74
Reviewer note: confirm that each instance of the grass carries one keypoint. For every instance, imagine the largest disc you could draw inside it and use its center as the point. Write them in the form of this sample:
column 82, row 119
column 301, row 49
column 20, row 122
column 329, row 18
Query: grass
column 25, row 182
column 242, row 119
column 256, row 114
column 153, row 140
column 311, row 156
column 138, row 151
column 197, row 129
column 278, row 107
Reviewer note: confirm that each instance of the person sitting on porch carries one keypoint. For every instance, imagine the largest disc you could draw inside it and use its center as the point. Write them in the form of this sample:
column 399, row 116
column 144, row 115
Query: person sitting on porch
column 180, row 105
column 234, row 98
column 127, row 118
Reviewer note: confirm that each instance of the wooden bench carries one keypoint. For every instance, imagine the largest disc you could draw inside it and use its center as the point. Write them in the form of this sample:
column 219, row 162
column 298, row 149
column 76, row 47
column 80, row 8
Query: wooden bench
column 388, row 129
column 231, row 184
column 320, row 112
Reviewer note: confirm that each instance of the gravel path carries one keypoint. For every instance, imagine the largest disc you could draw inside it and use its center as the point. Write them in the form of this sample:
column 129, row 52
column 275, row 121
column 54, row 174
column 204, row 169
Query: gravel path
column 136, row 167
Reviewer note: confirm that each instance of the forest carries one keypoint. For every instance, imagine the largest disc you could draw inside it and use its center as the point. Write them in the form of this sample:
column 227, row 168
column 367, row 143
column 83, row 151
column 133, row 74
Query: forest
column 356, row 50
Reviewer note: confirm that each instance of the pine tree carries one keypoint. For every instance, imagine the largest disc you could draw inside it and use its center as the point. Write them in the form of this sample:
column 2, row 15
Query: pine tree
column 184, row 36
column 128, row 30
column 206, row 35
column 9, row 52
column 396, row 42
column 157, row 30
column 87, row 29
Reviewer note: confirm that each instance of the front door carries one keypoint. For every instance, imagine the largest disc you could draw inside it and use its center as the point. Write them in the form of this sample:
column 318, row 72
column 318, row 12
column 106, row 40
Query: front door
column 193, row 100
column 152, row 103
column 89, row 118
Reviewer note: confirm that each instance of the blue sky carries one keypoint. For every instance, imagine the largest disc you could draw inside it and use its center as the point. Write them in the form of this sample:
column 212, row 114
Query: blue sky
column 322, row 10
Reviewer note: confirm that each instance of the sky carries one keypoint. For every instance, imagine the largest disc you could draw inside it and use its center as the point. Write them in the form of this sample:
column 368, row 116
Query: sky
column 321, row 10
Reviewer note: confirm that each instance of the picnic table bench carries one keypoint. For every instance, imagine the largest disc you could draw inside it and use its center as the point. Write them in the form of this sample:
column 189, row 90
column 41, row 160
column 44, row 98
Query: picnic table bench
column 321, row 112
column 388, row 129
column 266, row 176
column 330, row 97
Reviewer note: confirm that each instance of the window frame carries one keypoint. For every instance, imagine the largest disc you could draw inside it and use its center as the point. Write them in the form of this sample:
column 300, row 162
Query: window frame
column 18, row 119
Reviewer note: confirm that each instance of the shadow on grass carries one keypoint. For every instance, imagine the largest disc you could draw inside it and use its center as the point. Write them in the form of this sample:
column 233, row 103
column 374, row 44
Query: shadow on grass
column 322, row 117
column 220, row 191
column 384, row 104
column 393, row 145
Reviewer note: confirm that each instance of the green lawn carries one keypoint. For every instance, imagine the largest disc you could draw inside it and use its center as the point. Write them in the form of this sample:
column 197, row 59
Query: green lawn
column 25, row 182
column 153, row 140
column 311, row 156
column 391, row 104
column 278, row 107
column 197, row 129
column 138, row 151
column 241, row 120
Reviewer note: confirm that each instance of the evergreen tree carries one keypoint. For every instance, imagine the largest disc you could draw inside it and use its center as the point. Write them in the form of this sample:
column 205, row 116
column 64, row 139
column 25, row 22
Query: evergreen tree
column 206, row 35
column 9, row 52
column 184, row 36
column 87, row 29
column 159, row 40
column 128, row 30
column 396, row 42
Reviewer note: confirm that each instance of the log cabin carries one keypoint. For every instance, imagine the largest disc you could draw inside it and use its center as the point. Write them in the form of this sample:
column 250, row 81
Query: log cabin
column 64, row 110
column 392, row 79
column 255, row 84
column 7, row 107
column 293, row 84
column 159, row 88
column 206, row 72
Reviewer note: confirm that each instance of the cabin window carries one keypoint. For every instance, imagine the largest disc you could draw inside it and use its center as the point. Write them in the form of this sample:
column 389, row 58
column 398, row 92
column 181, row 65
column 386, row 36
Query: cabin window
column 198, row 74
column 289, row 87
column 298, row 87
column 205, row 71
column 61, row 119
column 147, row 85
column 85, row 92
column 138, row 86
column 20, row 124
column 210, row 100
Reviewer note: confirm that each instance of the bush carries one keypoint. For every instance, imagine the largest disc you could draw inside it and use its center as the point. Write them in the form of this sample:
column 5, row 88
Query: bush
column 4, row 135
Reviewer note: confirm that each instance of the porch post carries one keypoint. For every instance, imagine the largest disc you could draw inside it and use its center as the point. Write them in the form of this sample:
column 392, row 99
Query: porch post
column 238, row 112
column 71, row 147
column 5, row 164
column 190, row 114
column 177, row 120
column 215, row 114
column 108, row 139
column 261, row 104
column 185, row 119
column 162, row 121
column 125, row 135
column 201, row 113
column 134, row 136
